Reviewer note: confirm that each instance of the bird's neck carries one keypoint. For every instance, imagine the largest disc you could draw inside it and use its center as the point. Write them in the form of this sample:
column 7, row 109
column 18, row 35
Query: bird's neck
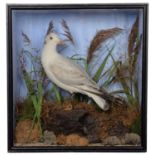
column 51, row 46
column 50, row 49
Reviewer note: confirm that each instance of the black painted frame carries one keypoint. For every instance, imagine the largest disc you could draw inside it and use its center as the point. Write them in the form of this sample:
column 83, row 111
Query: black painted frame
column 11, row 147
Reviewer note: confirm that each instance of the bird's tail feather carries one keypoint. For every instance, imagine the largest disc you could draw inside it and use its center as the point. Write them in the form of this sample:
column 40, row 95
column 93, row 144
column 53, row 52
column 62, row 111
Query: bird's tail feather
column 99, row 101
column 109, row 98
column 113, row 99
column 103, row 98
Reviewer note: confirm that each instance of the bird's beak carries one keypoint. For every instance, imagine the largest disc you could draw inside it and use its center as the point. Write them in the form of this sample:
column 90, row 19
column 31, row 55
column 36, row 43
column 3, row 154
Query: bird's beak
column 61, row 42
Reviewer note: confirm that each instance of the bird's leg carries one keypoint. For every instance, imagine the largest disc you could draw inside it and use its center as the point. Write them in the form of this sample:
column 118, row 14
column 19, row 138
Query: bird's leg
column 72, row 96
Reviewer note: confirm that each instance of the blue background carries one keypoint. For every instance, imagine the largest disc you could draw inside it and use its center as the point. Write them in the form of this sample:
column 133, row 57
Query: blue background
column 83, row 25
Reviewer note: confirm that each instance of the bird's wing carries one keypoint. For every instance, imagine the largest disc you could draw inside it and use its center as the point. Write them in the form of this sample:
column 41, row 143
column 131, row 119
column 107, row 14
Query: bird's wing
column 72, row 74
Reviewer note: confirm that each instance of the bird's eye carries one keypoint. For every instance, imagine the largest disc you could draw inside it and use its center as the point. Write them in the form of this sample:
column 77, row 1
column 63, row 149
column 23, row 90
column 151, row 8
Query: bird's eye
column 51, row 38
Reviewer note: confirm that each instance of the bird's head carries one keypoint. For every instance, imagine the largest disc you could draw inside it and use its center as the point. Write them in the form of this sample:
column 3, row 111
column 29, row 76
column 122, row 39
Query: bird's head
column 53, row 38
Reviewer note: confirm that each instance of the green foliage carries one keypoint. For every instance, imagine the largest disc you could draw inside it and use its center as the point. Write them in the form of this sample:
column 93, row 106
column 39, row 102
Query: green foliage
column 37, row 103
column 34, row 78
column 136, row 126
column 102, row 66
column 125, row 73
column 57, row 93
column 79, row 58
column 35, row 91
column 122, row 73
column 27, row 110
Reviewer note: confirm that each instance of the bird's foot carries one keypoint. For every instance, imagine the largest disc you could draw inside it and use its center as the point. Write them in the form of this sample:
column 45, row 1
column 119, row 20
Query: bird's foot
column 106, row 107
column 72, row 96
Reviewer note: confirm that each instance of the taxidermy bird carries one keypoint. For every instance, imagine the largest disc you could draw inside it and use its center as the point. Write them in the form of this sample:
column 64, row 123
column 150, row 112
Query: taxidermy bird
column 67, row 74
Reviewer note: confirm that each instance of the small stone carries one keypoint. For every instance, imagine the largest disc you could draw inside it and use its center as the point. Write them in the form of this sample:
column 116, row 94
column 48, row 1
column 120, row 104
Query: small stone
column 49, row 138
column 67, row 106
column 112, row 140
column 61, row 139
column 132, row 138
column 122, row 140
column 76, row 140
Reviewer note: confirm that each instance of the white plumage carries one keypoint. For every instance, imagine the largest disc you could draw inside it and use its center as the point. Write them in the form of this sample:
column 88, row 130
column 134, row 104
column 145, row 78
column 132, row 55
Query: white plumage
column 68, row 75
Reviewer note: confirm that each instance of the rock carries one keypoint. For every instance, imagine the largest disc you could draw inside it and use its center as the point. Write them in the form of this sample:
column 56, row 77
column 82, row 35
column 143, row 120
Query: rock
column 122, row 140
column 112, row 140
column 22, row 132
column 72, row 140
column 49, row 138
column 132, row 138
column 90, row 128
column 118, row 129
column 61, row 139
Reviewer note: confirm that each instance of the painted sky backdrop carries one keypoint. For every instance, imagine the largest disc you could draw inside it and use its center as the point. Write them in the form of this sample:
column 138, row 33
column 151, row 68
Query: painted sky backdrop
column 83, row 25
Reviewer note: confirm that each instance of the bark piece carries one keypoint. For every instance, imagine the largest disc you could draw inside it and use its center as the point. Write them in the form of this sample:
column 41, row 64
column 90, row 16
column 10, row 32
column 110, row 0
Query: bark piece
column 77, row 121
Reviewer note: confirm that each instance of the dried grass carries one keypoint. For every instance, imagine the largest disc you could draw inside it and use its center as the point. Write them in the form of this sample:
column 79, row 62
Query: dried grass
column 133, row 36
column 134, row 45
column 50, row 27
column 99, row 38
column 125, row 72
column 67, row 32
column 26, row 39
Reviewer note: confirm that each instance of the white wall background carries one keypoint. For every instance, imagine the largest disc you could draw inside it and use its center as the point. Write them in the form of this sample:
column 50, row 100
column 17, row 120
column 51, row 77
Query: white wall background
column 3, row 72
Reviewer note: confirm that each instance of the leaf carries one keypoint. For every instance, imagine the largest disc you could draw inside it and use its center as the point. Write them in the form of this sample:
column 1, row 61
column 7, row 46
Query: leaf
column 110, row 70
column 100, row 69
column 75, row 55
column 34, row 101
column 123, row 83
column 136, row 91
column 28, row 81
column 80, row 58
column 105, row 73
column 136, row 126
column 57, row 93
column 117, row 92
column 99, row 38
column 40, row 96
column 108, row 82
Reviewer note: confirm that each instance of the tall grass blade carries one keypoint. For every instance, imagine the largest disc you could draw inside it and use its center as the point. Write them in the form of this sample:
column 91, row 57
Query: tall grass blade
column 136, row 91
column 102, row 66
column 57, row 93
column 108, row 82
column 117, row 92
column 123, row 82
